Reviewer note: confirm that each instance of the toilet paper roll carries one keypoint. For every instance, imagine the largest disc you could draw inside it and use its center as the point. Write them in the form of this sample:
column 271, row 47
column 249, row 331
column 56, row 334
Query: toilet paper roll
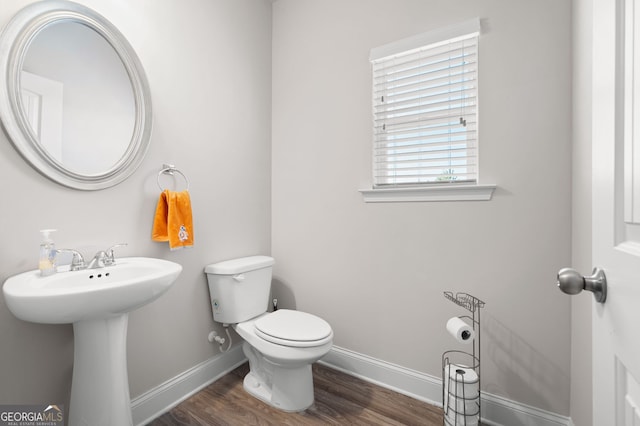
column 459, row 420
column 460, row 330
column 461, row 395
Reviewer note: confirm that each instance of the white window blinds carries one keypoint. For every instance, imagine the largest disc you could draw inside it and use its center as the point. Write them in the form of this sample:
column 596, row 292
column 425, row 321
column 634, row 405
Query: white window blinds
column 424, row 107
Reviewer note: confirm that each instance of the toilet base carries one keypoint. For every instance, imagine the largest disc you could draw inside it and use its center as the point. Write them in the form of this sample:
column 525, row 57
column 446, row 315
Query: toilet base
column 285, row 387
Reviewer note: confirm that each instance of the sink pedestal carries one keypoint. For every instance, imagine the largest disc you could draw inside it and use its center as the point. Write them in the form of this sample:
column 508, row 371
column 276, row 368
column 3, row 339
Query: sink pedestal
column 100, row 385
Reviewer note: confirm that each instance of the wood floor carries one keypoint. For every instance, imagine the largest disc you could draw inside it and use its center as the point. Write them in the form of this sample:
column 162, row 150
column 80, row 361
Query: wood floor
column 340, row 399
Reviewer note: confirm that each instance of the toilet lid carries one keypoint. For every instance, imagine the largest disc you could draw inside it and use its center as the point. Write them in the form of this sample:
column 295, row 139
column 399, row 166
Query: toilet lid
column 293, row 328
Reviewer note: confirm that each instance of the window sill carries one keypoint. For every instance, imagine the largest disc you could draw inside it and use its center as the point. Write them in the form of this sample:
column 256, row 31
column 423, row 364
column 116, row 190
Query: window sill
column 429, row 193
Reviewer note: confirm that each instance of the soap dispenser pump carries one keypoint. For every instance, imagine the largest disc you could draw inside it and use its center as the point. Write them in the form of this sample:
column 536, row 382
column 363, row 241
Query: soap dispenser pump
column 47, row 263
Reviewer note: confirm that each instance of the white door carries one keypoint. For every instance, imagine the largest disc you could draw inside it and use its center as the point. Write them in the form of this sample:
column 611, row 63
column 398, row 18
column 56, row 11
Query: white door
column 616, row 211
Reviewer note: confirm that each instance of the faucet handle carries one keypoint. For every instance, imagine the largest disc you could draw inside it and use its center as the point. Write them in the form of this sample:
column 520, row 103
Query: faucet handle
column 110, row 258
column 77, row 261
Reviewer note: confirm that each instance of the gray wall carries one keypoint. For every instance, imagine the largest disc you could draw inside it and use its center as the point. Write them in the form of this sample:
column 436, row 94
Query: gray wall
column 376, row 272
column 209, row 67
column 581, row 377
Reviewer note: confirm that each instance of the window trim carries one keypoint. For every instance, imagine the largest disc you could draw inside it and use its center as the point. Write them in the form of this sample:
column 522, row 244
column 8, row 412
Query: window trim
column 429, row 37
column 449, row 192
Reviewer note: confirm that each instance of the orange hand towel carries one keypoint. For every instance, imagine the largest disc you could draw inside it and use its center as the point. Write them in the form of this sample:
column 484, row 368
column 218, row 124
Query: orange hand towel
column 173, row 221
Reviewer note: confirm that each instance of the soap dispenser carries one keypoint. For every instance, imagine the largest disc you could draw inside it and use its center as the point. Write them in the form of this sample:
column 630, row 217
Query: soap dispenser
column 47, row 263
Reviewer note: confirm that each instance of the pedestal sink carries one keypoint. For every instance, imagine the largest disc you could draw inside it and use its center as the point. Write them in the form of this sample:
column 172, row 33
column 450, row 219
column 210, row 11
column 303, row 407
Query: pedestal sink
column 97, row 302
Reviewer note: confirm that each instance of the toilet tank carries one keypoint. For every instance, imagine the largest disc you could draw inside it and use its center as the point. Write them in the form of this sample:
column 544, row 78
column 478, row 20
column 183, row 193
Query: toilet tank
column 239, row 288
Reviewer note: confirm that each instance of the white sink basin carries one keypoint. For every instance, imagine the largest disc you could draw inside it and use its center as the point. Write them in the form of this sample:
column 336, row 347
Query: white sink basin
column 68, row 297
column 97, row 302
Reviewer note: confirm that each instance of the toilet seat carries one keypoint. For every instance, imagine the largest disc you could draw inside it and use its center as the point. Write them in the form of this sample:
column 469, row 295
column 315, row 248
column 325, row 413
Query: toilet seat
column 293, row 328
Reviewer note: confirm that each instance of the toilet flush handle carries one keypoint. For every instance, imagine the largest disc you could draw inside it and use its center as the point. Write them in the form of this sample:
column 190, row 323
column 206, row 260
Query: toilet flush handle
column 239, row 277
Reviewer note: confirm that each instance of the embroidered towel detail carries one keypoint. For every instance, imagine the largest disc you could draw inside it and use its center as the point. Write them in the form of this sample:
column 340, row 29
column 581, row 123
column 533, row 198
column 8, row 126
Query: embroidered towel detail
column 173, row 220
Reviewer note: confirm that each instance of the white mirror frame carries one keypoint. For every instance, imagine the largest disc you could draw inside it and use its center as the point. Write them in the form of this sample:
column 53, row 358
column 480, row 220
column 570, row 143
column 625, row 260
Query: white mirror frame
column 14, row 43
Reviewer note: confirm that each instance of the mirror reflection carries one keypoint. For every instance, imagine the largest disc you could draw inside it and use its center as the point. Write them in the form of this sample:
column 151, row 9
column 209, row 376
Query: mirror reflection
column 77, row 98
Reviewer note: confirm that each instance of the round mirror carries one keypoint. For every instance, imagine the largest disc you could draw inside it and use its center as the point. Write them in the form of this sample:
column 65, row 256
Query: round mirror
column 74, row 99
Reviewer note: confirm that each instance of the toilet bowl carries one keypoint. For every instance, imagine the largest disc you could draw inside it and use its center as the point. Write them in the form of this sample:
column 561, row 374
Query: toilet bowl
column 280, row 345
column 280, row 373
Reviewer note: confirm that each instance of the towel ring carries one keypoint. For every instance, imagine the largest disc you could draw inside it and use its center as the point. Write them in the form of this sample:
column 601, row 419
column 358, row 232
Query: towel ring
column 169, row 169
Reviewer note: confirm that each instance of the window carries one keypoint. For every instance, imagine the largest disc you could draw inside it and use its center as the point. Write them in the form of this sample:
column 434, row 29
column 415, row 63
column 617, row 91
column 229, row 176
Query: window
column 425, row 116
column 425, row 109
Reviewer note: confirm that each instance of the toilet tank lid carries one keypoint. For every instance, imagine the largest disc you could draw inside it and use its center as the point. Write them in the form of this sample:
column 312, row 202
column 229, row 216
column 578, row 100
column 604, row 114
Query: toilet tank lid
column 238, row 266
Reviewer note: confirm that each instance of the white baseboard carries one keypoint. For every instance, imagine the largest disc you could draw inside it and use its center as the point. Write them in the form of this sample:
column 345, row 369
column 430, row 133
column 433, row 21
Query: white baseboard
column 399, row 379
column 161, row 399
column 496, row 410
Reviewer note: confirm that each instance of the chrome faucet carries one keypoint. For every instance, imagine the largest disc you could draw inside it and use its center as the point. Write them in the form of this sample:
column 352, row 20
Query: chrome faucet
column 104, row 258
column 77, row 262
column 98, row 260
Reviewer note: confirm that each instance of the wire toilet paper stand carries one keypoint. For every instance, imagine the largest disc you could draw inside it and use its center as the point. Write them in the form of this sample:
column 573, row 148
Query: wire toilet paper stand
column 461, row 370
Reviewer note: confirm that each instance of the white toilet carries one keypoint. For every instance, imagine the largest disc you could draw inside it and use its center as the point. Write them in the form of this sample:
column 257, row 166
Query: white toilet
column 281, row 345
